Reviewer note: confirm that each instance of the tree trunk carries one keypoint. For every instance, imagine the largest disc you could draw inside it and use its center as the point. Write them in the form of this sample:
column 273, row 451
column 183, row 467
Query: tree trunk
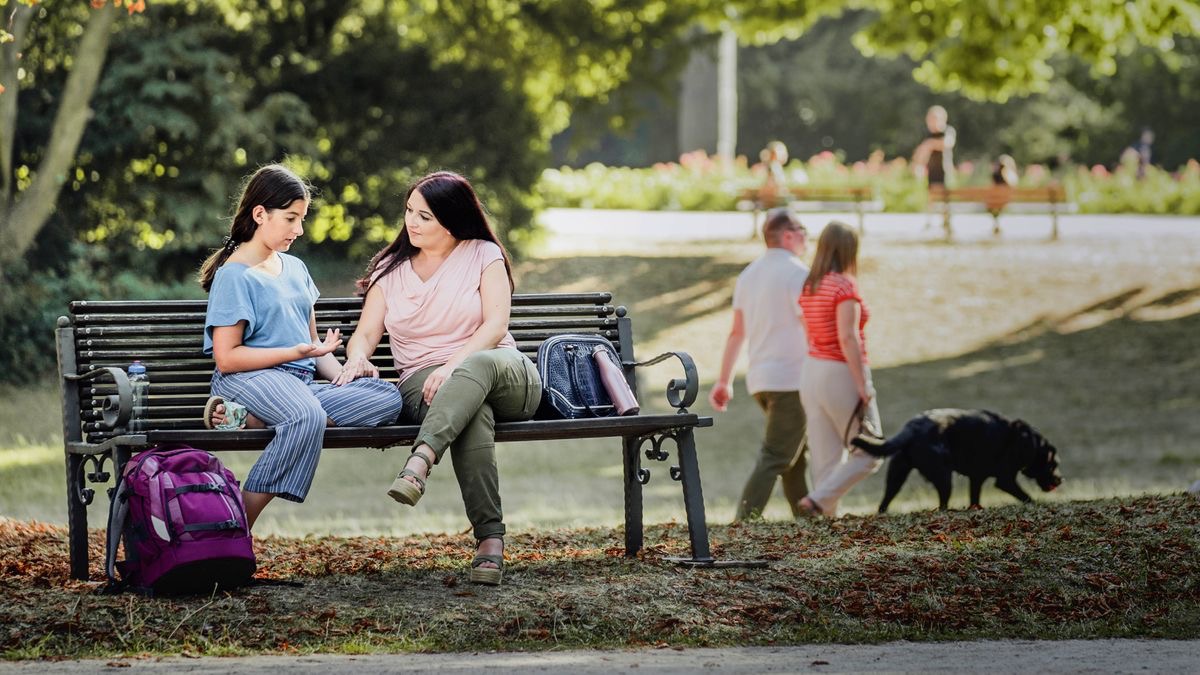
column 20, row 224
column 21, row 14
column 727, row 99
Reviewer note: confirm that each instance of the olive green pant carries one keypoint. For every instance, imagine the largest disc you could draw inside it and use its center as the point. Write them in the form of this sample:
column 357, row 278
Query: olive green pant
column 782, row 455
column 494, row 385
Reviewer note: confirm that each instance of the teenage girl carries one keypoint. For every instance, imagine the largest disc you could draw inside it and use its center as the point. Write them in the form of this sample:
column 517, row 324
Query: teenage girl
column 262, row 333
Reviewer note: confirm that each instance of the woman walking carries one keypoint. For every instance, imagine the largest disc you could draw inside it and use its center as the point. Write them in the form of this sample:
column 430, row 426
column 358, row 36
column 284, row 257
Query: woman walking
column 836, row 382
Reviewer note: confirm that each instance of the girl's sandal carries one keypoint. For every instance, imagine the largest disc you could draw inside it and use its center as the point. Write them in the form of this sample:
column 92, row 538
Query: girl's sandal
column 404, row 491
column 488, row 576
column 235, row 414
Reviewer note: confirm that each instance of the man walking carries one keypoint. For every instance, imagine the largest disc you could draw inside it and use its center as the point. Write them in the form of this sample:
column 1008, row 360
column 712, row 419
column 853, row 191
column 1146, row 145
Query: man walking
column 766, row 317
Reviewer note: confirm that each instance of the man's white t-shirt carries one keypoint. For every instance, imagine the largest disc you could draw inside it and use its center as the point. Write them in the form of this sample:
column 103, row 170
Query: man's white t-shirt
column 768, row 293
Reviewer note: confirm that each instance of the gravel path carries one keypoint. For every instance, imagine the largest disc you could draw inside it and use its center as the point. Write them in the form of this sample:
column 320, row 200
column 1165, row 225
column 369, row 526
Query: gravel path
column 993, row 657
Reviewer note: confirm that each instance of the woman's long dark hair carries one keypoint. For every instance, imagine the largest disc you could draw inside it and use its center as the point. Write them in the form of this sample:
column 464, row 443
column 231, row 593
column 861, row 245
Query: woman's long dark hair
column 273, row 187
column 456, row 206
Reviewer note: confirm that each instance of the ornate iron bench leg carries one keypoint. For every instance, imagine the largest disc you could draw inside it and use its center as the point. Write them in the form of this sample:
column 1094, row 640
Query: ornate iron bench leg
column 633, row 496
column 78, row 498
column 693, row 497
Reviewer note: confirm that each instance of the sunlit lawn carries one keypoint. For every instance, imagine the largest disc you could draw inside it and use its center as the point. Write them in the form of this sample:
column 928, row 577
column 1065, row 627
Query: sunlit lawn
column 1086, row 340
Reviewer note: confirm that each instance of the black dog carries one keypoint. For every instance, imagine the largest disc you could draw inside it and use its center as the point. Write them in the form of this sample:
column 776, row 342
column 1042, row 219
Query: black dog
column 976, row 443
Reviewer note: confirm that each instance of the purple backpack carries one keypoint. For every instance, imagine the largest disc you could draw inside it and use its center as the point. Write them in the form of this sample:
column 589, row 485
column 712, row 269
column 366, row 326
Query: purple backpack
column 181, row 515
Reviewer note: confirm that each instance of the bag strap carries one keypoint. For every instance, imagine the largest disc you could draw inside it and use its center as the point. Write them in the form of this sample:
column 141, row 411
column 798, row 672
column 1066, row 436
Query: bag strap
column 572, row 357
column 681, row 393
column 859, row 415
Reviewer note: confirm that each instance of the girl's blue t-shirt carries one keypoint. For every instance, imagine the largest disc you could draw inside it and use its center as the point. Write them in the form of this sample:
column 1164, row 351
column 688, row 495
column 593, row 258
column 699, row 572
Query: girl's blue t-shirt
column 276, row 309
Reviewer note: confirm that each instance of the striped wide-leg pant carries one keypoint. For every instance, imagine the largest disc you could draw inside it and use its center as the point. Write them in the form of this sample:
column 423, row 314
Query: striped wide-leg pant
column 286, row 399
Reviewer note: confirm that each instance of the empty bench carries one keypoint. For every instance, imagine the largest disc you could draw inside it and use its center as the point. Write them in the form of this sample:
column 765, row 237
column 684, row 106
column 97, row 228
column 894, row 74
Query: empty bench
column 99, row 339
column 996, row 199
column 860, row 200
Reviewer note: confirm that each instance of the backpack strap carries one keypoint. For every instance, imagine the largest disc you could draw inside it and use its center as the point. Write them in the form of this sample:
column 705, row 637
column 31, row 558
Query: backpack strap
column 118, row 515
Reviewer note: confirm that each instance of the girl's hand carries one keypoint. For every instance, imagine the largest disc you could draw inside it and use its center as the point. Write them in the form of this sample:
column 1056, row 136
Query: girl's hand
column 866, row 393
column 355, row 368
column 435, row 381
column 333, row 340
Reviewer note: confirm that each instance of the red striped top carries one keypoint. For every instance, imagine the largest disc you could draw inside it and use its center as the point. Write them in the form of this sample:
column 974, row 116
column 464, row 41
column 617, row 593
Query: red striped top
column 820, row 315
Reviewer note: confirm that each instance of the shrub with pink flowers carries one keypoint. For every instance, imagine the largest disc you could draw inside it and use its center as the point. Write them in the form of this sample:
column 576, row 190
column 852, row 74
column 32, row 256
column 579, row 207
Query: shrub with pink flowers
column 700, row 182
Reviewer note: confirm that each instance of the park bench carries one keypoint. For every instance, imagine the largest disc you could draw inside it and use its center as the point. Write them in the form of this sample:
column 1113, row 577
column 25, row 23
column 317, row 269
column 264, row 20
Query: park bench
column 99, row 339
column 996, row 199
column 813, row 199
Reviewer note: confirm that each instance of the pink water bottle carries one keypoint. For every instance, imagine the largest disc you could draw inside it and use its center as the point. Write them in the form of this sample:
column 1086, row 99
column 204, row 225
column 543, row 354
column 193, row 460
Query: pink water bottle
column 614, row 382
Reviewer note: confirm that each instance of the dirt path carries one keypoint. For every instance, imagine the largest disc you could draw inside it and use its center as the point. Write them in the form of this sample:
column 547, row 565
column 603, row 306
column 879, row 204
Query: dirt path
column 993, row 657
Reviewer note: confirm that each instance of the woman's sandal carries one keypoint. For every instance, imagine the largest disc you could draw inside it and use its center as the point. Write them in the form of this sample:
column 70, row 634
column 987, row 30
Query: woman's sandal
column 404, row 491
column 488, row 576
column 235, row 414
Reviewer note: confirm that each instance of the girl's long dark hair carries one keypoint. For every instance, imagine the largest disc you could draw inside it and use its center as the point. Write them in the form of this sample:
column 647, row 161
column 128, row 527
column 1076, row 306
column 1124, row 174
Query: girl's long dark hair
column 456, row 206
column 273, row 187
column 837, row 251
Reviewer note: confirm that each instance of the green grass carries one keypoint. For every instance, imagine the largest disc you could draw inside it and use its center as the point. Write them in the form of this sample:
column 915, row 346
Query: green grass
column 1105, row 568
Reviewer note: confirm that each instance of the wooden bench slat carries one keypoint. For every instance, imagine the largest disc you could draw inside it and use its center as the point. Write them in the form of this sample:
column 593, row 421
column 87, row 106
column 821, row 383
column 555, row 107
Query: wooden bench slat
column 139, row 306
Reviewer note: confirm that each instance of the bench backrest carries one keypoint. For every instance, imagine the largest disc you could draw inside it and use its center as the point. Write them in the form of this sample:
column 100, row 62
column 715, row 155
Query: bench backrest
column 167, row 336
column 1001, row 194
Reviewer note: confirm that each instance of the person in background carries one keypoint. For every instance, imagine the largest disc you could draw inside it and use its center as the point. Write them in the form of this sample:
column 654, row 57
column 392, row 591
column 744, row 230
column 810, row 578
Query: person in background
column 934, row 157
column 765, row 318
column 443, row 292
column 1143, row 151
column 1004, row 172
column 261, row 331
column 836, row 382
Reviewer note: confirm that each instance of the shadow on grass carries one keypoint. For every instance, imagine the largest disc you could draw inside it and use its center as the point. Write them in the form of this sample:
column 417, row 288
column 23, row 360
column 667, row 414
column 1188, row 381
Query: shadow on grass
column 1111, row 389
column 662, row 292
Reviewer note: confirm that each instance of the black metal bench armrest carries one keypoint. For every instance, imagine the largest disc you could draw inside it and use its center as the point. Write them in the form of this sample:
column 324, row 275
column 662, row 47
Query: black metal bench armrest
column 680, row 393
column 117, row 407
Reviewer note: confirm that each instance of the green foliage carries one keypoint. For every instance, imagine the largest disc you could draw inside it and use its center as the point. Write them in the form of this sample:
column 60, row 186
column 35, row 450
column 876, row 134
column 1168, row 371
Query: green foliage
column 996, row 50
column 698, row 183
column 34, row 299
column 819, row 93
column 1158, row 192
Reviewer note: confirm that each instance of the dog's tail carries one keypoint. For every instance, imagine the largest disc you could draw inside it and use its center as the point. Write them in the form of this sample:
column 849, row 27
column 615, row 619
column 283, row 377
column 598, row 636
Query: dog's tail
column 880, row 447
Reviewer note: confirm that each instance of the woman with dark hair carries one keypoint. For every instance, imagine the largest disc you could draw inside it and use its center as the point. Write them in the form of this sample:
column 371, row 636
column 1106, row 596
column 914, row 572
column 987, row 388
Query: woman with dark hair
column 836, row 381
column 261, row 331
column 443, row 290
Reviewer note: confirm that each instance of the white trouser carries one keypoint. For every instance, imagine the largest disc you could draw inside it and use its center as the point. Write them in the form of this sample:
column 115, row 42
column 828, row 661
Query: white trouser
column 829, row 397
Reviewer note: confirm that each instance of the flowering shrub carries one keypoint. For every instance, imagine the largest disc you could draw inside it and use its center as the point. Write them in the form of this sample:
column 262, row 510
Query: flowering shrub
column 699, row 182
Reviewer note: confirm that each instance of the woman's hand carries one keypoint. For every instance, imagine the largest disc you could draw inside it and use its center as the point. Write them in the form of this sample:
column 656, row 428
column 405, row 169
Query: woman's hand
column 435, row 381
column 333, row 340
column 866, row 393
column 355, row 368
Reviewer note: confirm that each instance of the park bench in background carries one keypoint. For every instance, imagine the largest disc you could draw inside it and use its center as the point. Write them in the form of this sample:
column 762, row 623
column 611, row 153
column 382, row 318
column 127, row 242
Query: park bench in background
column 996, row 199
column 861, row 200
column 101, row 338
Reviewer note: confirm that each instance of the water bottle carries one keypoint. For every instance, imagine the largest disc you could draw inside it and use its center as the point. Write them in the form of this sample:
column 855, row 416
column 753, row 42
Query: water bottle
column 614, row 382
column 140, row 384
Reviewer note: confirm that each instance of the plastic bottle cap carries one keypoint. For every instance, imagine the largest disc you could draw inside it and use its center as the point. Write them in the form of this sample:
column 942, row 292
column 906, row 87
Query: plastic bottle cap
column 136, row 368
